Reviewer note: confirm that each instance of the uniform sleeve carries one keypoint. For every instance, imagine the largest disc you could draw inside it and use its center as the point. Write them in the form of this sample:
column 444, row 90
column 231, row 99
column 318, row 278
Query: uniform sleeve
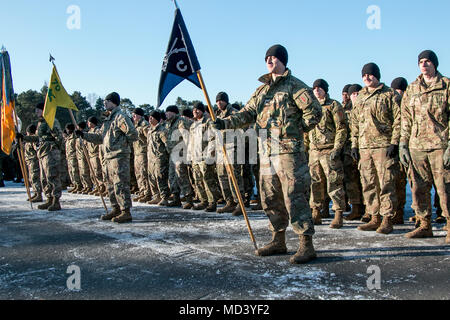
column 397, row 116
column 95, row 138
column 354, row 126
column 244, row 117
column 310, row 106
column 127, row 127
column 341, row 126
column 406, row 118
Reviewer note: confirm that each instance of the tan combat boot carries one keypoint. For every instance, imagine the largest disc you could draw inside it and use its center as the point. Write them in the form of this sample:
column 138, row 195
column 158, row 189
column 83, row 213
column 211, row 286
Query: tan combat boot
column 356, row 213
column 425, row 230
column 155, row 200
column 386, row 226
column 277, row 246
column 114, row 213
column 237, row 212
column 373, row 225
column 163, row 203
column 212, row 207
column 55, row 206
column 228, row 208
column 305, row 251
column 93, row 192
column 46, row 205
column 316, row 217
column 176, row 203
column 189, row 203
column 145, row 198
column 201, row 206
column 258, row 206
column 124, row 217
column 338, row 221
column 37, row 199
column 398, row 218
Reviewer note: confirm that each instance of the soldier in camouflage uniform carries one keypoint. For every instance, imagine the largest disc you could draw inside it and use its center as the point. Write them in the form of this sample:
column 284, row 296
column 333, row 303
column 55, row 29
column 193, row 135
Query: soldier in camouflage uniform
column 72, row 161
column 399, row 85
column 201, row 142
column 94, row 158
column 352, row 178
column 158, row 160
column 223, row 111
column 49, row 154
column 140, row 157
column 375, row 130
column 283, row 109
column 32, row 162
column 425, row 137
column 116, row 137
column 177, row 138
column 327, row 141
column 83, row 165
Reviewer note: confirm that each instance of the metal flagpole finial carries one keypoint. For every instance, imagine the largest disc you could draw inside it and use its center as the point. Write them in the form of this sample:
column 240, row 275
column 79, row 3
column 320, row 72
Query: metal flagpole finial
column 3, row 49
column 51, row 58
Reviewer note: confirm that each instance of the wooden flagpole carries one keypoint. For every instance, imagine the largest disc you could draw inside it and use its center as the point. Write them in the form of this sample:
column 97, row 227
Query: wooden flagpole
column 227, row 163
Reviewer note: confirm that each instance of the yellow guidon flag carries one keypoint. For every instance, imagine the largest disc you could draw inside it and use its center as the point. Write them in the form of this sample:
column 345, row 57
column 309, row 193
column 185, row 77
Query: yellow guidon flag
column 57, row 96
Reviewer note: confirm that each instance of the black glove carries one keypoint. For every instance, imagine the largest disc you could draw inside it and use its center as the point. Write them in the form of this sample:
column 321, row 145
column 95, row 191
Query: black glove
column 392, row 151
column 405, row 156
column 355, row 154
column 219, row 124
column 79, row 133
column 19, row 136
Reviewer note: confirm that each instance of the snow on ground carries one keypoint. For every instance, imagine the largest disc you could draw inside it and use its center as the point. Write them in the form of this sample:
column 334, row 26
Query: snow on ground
column 220, row 247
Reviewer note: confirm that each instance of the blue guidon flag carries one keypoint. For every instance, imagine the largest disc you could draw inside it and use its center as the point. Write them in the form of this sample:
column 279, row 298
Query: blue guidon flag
column 180, row 62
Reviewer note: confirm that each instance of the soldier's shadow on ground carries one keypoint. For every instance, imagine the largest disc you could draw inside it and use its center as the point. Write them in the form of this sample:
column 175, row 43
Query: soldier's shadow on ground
column 327, row 256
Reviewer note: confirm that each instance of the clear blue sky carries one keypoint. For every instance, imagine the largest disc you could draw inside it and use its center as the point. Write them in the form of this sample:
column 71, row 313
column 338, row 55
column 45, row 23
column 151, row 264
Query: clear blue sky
column 121, row 44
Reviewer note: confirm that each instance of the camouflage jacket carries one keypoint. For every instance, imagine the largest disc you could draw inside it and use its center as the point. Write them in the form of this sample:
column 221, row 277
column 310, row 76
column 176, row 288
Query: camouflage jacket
column 177, row 131
column 286, row 108
column 156, row 143
column 331, row 132
column 140, row 145
column 47, row 138
column 116, row 135
column 30, row 152
column 375, row 119
column 92, row 148
column 426, row 114
column 201, row 140
column 71, row 146
column 348, row 112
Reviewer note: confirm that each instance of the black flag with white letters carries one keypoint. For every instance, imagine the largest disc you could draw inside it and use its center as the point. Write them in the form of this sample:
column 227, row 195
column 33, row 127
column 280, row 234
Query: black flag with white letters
column 180, row 62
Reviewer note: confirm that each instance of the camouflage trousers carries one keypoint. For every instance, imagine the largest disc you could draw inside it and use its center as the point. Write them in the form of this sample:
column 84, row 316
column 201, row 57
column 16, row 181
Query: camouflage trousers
column 50, row 178
column 141, row 172
column 205, row 182
column 400, row 187
column 285, row 188
column 352, row 181
column 97, row 170
column 179, row 179
column 158, row 172
column 85, row 173
column 326, row 175
column 226, row 184
column 64, row 173
column 426, row 167
column 118, row 181
column 34, row 174
column 74, row 173
column 378, row 173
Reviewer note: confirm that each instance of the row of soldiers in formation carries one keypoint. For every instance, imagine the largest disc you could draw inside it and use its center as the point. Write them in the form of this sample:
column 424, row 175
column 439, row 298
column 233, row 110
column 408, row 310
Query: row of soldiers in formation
column 358, row 152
